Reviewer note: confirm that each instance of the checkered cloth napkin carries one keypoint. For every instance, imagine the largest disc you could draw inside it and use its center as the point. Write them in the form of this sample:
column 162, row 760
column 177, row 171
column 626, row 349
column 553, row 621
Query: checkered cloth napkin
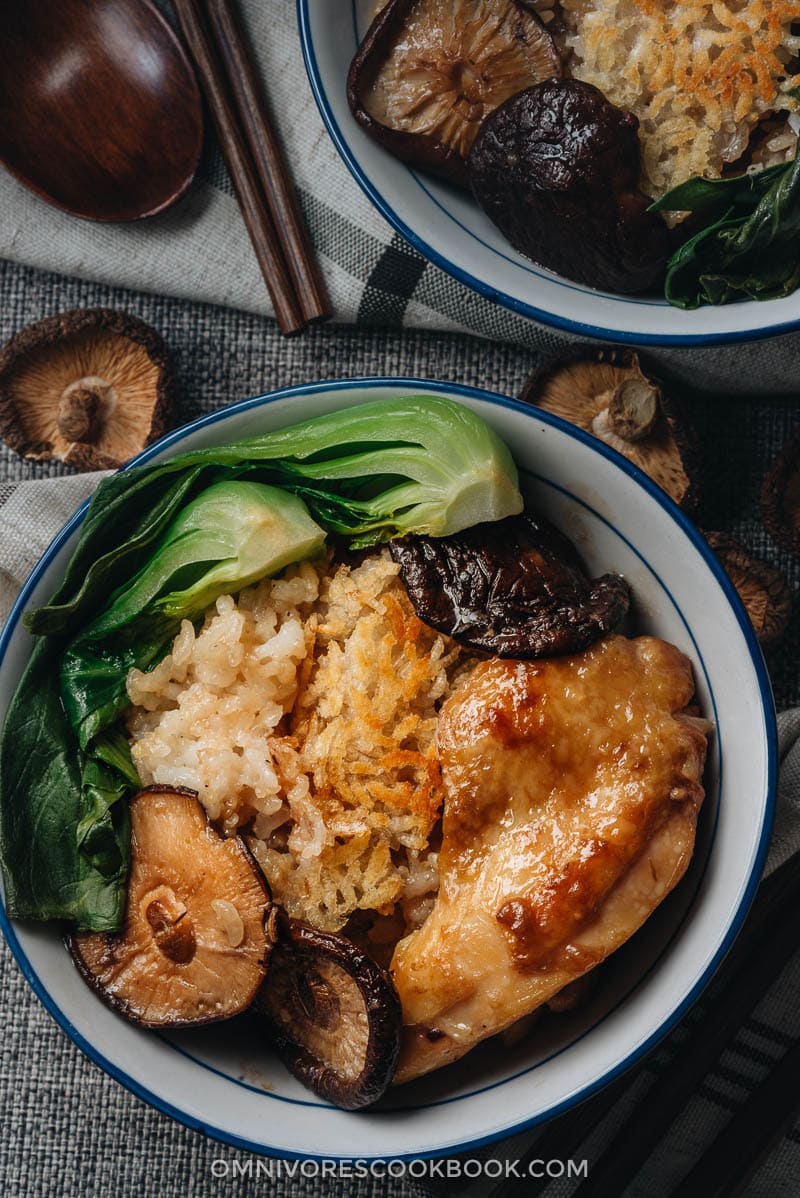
column 32, row 512
column 200, row 250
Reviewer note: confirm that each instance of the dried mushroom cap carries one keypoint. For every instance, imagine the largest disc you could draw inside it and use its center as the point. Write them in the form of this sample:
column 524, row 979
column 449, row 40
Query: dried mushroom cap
column 91, row 387
column 761, row 587
column 429, row 71
column 195, row 944
column 556, row 168
column 609, row 396
column 515, row 588
column 334, row 1015
column 780, row 497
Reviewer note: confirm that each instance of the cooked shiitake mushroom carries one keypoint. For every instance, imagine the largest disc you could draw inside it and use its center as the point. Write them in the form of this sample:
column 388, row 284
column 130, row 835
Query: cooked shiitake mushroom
column 607, row 394
column 428, row 72
column 557, row 168
column 515, row 588
column 195, row 944
column 762, row 588
column 334, row 1015
column 780, row 497
column 91, row 387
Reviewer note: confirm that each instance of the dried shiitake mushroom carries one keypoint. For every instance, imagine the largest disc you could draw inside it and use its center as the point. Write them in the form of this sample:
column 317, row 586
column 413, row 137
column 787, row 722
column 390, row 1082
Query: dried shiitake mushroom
column 197, row 933
column 91, row 387
column 762, row 588
column 515, row 588
column 429, row 71
column 607, row 394
column 556, row 168
column 334, row 1015
column 780, row 497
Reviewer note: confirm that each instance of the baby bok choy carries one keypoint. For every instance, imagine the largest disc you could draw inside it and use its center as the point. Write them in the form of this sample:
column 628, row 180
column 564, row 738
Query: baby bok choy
column 157, row 545
column 64, row 761
column 230, row 536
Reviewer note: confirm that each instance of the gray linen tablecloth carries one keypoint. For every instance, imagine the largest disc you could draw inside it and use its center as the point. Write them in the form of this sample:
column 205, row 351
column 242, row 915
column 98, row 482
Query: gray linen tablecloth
column 67, row 1130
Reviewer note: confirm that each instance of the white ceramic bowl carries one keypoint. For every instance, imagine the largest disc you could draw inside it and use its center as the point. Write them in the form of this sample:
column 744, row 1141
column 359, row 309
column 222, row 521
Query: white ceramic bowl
column 447, row 226
column 218, row 1080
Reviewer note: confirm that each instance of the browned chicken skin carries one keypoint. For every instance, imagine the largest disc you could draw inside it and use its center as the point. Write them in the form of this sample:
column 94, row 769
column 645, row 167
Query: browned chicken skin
column 573, row 787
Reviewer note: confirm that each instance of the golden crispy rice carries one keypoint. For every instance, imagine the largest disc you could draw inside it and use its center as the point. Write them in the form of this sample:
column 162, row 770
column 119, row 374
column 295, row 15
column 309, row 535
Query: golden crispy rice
column 304, row 713
column 699, row 74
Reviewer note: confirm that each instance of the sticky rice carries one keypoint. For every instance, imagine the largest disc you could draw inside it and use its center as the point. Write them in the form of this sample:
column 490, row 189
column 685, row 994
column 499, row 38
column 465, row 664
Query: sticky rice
column 303, row 712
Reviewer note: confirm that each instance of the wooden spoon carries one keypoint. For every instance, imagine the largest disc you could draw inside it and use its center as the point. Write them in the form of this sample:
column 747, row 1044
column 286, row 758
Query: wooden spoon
column 99, row 109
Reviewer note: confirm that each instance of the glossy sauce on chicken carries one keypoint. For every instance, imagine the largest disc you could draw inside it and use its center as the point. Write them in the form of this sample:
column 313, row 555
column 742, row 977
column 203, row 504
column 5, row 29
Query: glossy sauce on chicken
column 572, row 792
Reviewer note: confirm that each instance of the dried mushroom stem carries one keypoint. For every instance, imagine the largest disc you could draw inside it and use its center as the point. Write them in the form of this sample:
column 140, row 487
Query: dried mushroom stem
column 173, row 932
column 631, row 412
column 609, row 395
column 84, row 407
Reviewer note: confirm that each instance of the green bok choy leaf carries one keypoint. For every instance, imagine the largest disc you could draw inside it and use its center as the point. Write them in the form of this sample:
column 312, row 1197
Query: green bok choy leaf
column 420, row 464
column 158, row 544
column 64, row 761
column 230, row 536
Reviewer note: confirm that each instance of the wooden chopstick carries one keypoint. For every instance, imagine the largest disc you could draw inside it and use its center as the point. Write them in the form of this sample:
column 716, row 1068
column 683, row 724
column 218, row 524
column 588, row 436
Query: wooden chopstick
column 260, row 227
column 727, row 1166
column 268, row 158
column 768, row 939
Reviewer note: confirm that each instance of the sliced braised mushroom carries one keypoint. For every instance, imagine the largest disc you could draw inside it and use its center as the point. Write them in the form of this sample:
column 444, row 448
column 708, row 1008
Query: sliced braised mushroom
column 429, row 71
column 780, row 497
column 762, row 588
column 609, row 395
column 334, row 1015
column 92, row 387
column 195, row 944
column 515, row 588
column 556, row 168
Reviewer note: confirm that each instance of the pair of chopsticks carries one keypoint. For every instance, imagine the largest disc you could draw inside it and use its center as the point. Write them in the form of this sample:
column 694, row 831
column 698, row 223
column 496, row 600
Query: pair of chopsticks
column 768, row 941
column 255, row 160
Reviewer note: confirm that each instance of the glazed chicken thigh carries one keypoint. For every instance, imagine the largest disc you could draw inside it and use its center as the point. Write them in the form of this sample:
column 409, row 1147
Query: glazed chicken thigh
column 572, row 792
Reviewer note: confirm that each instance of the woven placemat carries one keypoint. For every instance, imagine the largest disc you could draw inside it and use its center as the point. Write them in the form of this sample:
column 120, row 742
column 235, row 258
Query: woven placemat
column 69, row 1131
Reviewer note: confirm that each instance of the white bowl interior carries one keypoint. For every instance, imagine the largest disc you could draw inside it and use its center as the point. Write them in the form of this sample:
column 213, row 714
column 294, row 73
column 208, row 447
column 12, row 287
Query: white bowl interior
column 448, row 227
column 225, row 1080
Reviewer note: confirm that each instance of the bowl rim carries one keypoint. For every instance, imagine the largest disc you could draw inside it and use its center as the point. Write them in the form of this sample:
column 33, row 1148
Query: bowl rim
column 473, row 281
column 766, row 705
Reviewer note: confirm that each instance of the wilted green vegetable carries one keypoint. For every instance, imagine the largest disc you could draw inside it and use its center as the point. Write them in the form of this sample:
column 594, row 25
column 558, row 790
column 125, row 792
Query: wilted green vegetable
column 750, row 244
column 158, row 544
column 231, row 535
column 64, row 765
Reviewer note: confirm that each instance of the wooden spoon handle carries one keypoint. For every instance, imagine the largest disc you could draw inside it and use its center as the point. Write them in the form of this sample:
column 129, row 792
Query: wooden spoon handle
column 268, row 158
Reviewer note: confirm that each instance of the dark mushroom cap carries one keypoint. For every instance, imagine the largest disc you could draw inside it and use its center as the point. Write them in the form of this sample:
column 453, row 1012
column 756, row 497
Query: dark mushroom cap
column 334, row 1015
column 92, row 387
column 556, row 168
column 608, row 395
column 428, row 72
column 195, row 945
column 514, row 588
column 761, row 587
column 780, row 497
